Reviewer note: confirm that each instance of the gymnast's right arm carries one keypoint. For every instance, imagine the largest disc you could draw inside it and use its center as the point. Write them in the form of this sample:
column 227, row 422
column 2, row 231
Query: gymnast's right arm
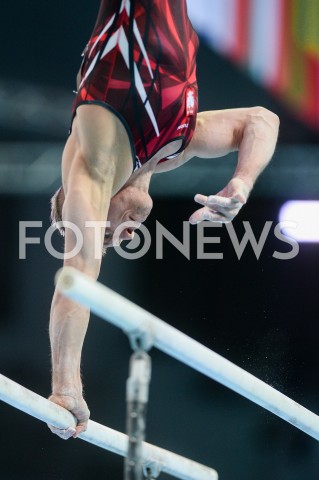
column 86, row 198
column 91, row 173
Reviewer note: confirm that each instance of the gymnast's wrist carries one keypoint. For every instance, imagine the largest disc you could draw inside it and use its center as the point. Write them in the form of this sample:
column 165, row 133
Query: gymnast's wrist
column 66, row 385
column 69, row 390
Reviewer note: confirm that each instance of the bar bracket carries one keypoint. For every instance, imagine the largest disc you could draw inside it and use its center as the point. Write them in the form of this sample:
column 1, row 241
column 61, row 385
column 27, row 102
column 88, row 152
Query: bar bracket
column 152, row 469
column 141, row 339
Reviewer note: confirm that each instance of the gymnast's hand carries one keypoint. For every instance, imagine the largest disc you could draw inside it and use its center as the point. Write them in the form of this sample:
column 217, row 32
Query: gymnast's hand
column 224, row 206
column 78, row 407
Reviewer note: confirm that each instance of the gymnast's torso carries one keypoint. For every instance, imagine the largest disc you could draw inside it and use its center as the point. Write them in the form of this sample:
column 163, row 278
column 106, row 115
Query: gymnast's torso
column 140, row 63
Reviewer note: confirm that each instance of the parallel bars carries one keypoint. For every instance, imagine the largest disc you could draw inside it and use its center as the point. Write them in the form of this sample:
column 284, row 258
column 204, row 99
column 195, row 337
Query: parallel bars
column 101, row 436
column 135, row 320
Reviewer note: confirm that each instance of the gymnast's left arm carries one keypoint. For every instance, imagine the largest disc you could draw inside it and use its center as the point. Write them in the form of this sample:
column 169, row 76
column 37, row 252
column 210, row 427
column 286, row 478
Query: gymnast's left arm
column 253, row 132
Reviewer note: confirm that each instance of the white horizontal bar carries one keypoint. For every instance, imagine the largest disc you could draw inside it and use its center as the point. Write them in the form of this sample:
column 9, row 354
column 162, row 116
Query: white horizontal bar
column 126, row 315
column 104, row 437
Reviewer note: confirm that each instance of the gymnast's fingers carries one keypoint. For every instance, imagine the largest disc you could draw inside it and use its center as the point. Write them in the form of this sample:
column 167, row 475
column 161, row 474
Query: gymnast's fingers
column 199, row 198
column 80, row 428
column 206, row 214
column 217, row 201
column 78, row 407
column 64, row 433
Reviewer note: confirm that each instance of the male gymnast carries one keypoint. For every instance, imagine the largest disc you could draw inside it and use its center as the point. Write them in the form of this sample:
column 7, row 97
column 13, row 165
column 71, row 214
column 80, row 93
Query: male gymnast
column 135, row 114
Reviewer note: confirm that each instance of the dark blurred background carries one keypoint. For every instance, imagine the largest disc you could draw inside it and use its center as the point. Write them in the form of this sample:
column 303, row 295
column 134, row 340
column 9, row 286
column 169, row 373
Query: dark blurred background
column 261, row 313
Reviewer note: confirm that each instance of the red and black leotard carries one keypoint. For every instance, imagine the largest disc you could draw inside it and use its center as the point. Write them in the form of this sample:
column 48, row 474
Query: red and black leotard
column 141, row 63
